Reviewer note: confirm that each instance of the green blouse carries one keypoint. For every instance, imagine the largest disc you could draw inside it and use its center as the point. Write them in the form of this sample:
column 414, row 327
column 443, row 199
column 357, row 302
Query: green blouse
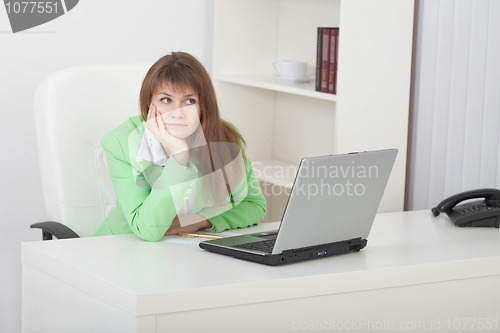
column 148, row 194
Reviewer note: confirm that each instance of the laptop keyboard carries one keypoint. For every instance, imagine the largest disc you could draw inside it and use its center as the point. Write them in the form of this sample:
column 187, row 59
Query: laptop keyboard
column 265, row 246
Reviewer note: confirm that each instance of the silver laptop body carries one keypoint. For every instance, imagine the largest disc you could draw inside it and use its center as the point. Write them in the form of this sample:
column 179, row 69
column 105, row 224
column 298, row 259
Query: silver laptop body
column 330, row 210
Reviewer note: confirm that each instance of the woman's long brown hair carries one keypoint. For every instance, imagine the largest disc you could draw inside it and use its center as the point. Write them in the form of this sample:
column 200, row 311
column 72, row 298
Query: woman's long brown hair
column 181, row 71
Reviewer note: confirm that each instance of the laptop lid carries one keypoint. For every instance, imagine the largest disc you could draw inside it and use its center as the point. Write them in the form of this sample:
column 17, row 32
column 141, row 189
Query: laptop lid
column 334, row 198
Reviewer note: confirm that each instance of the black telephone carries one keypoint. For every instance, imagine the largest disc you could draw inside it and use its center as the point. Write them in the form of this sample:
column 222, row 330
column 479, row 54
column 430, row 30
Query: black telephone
column 479, row 213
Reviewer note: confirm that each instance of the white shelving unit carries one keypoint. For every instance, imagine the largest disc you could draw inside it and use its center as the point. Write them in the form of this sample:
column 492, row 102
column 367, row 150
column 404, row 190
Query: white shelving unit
column 283, row 122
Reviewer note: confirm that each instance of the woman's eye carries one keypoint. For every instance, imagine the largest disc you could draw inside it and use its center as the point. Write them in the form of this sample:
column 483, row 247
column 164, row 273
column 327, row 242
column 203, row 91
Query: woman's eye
column 190, row 101
column 166, row 100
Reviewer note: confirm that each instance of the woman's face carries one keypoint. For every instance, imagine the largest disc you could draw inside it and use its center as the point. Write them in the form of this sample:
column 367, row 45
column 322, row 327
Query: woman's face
column 179, row 109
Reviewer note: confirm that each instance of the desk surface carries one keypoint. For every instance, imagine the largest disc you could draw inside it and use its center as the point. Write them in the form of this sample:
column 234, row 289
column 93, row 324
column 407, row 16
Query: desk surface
column 145, row 278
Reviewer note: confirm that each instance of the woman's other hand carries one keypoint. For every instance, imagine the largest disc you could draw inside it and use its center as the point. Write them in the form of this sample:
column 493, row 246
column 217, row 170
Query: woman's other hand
column 187, row 223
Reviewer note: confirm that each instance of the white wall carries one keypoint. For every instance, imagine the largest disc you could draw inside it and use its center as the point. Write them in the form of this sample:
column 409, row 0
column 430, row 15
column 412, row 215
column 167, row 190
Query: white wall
column 94, row 32
column 456, row 125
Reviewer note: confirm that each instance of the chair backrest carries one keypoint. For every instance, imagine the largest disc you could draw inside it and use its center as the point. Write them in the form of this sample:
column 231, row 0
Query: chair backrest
column 74, row 109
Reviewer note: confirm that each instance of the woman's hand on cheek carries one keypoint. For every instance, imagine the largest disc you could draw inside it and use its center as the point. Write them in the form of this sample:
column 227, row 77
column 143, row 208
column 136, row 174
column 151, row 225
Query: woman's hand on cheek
column 170, row 143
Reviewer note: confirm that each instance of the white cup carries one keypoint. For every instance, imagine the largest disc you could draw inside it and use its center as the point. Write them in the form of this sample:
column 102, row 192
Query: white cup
column 291, row 69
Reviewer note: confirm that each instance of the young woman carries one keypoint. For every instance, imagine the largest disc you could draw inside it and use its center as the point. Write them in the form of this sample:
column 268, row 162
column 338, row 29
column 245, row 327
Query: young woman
column 178, row 167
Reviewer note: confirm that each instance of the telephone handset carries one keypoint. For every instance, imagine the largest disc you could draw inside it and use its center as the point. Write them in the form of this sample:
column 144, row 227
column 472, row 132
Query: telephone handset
column 479, row 213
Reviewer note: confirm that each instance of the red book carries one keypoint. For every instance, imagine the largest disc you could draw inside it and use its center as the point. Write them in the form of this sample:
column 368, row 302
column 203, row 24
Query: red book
column 336, row 65
column 325, row 60
column 332, row 75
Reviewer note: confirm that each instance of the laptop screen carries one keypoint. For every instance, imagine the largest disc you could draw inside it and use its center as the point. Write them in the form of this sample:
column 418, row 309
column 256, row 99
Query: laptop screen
column 334, row 198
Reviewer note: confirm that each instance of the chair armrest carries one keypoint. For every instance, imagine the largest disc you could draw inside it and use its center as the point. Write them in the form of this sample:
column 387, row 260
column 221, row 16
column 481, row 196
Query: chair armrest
column 57, row 229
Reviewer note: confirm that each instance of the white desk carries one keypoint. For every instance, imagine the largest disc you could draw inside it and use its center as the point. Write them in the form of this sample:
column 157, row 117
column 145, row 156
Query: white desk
column 416, row 270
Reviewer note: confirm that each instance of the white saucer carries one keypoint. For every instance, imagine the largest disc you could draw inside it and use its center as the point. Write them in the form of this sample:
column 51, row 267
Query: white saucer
column 290, row 79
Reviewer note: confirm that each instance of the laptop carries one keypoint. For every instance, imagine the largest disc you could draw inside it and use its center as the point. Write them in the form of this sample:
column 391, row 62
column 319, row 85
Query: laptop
column 330, row 211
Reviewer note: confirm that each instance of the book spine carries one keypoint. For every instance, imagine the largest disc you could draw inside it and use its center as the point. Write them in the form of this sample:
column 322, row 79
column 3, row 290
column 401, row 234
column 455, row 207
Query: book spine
column 336, row 62
column 331, row 66
column 318, row 59
column 325, row 60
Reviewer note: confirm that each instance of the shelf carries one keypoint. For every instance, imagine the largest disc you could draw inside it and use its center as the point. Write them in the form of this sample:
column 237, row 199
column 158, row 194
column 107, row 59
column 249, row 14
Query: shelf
column 269, row 83
column 275, row 172
column 286, row 121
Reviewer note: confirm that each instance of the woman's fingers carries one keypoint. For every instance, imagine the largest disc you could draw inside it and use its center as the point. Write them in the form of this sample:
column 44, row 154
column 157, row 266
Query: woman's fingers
column 155, row 114
column 150, row 121
column 150, row 116
column 161, row 124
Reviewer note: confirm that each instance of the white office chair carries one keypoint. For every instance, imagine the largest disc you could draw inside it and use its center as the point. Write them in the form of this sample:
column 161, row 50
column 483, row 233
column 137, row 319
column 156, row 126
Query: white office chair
column 74, row 109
